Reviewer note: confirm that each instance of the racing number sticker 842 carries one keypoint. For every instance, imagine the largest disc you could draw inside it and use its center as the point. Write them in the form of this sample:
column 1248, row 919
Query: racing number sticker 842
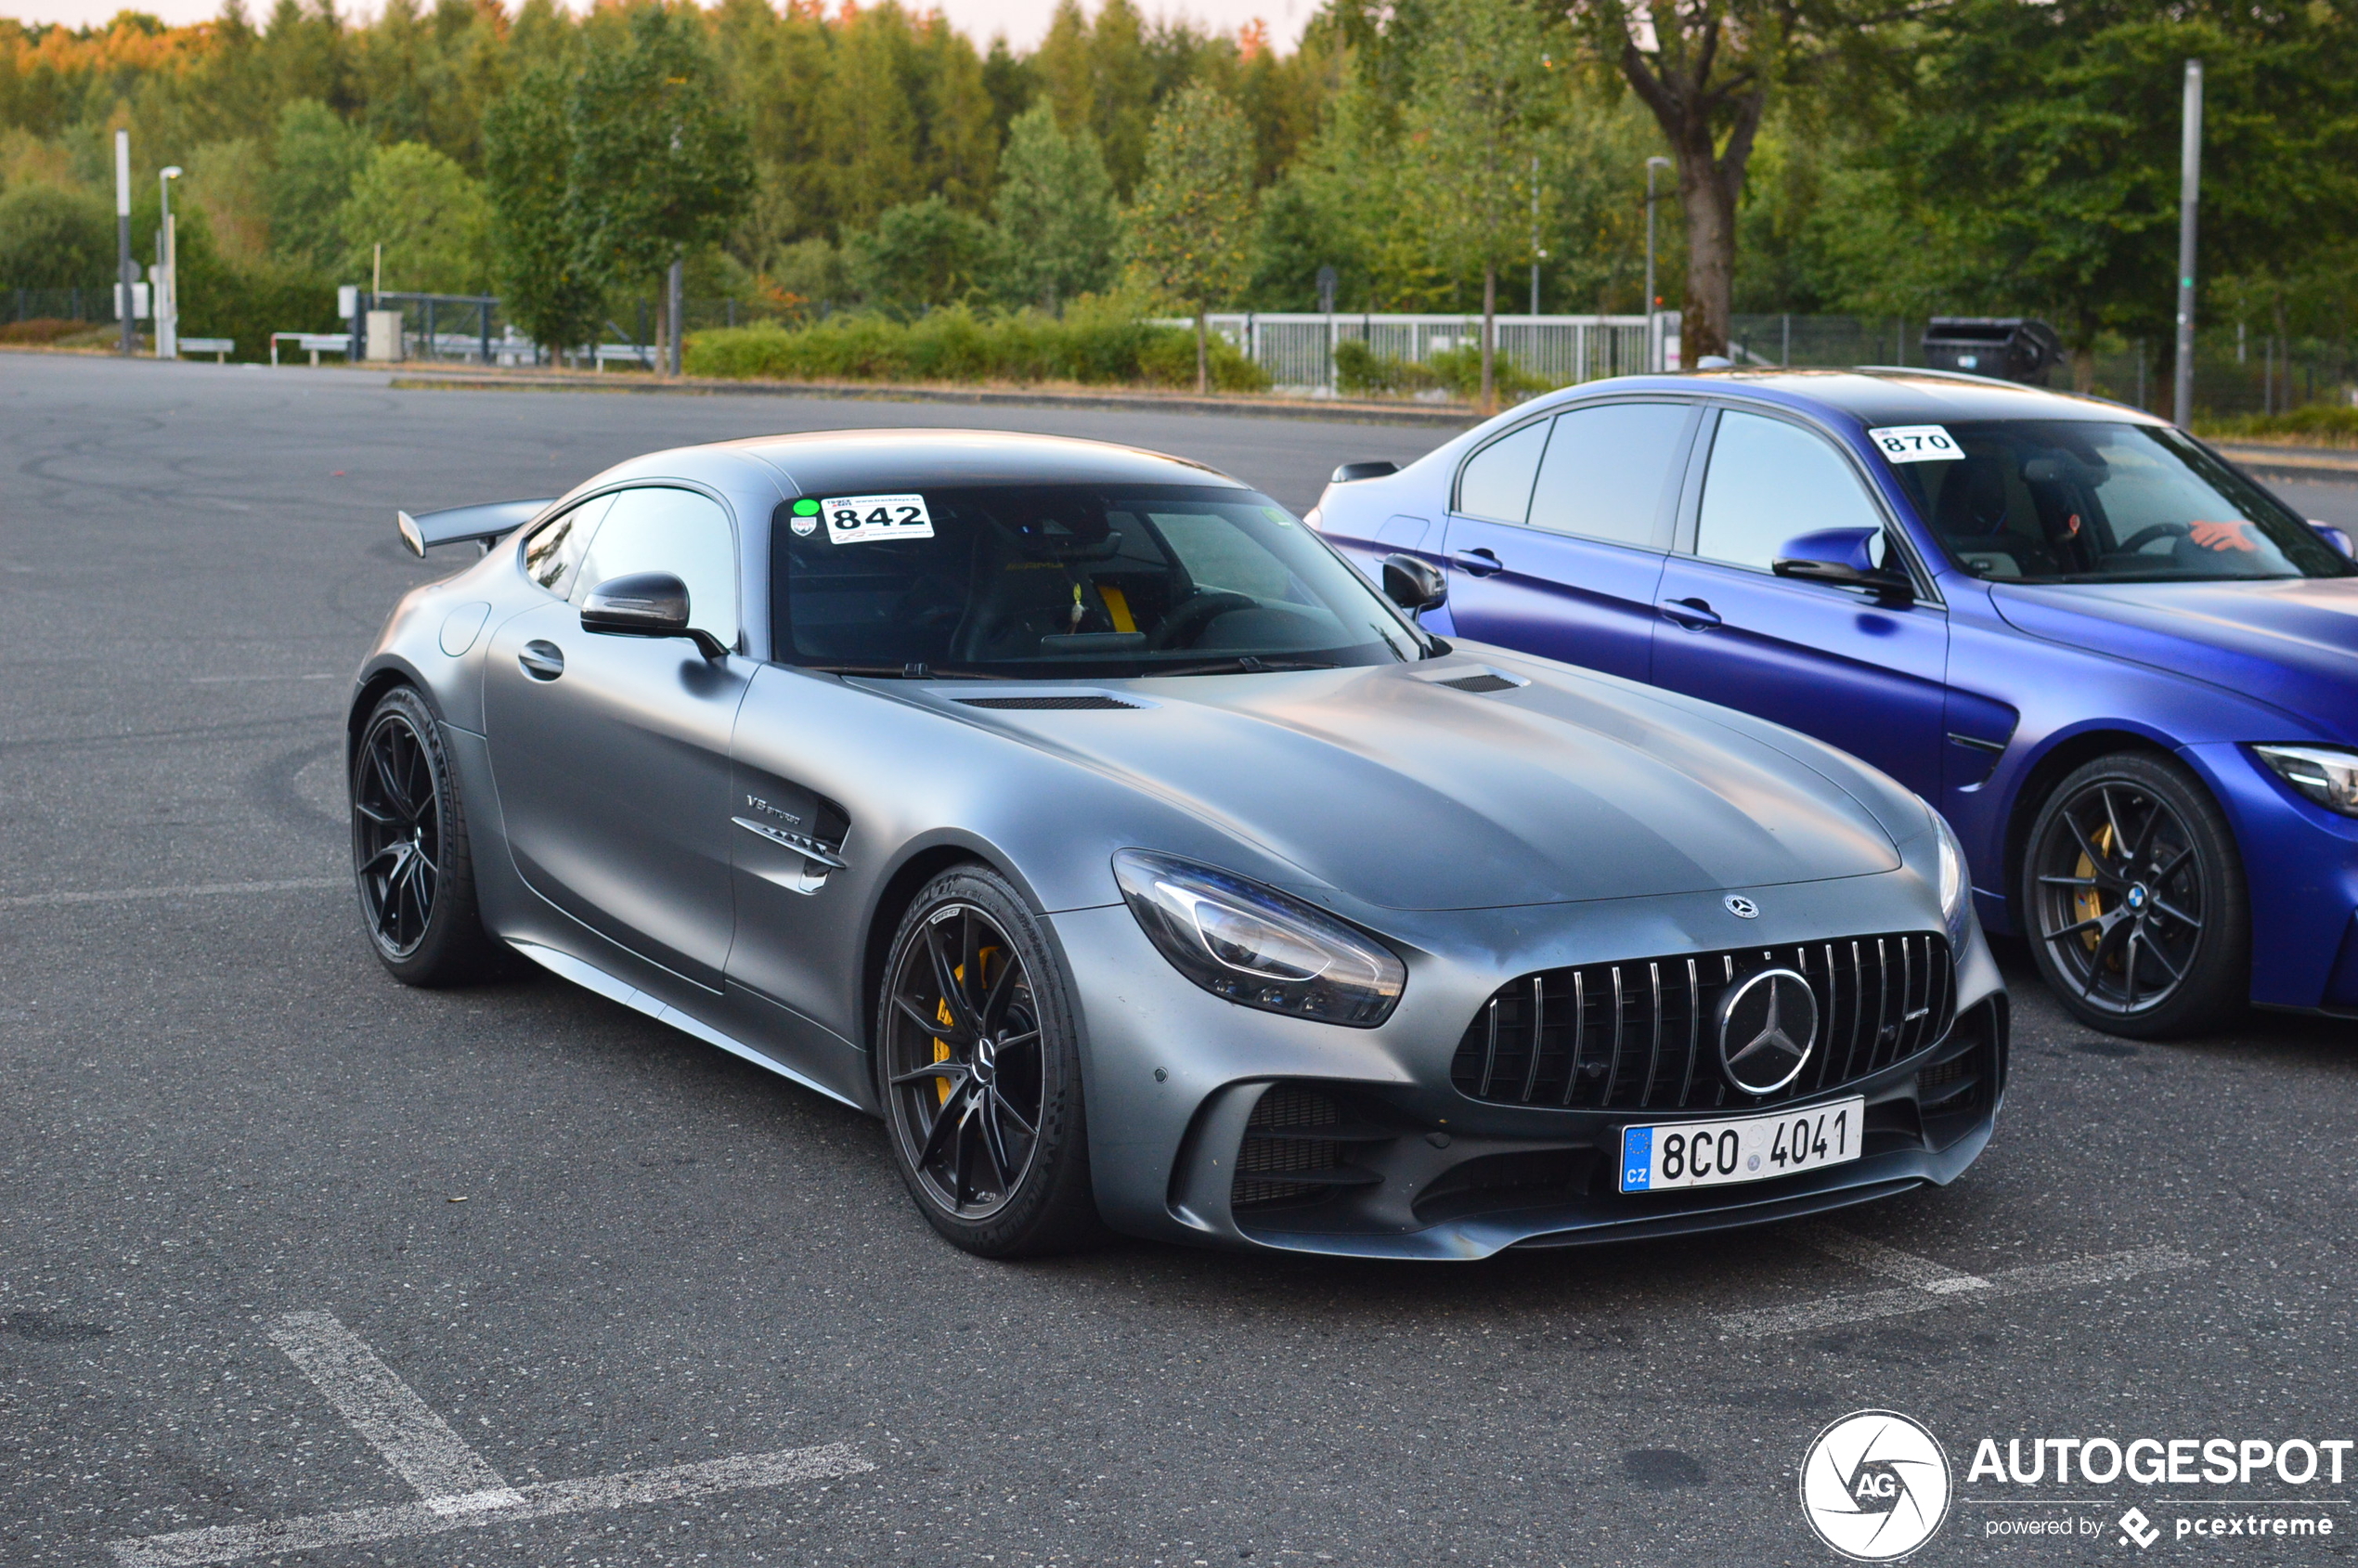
column 856, row 519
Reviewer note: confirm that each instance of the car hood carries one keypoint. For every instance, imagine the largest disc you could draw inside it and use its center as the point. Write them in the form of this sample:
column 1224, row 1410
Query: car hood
column 1410, row 795
column 2292, row 642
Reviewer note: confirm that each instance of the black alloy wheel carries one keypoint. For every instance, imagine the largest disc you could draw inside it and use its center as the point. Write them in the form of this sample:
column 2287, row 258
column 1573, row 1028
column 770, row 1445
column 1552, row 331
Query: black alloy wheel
column 978, row 1075
column 2136, row 898
column 409, row 852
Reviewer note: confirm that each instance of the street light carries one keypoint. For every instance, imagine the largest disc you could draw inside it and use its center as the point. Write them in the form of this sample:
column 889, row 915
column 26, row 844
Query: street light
column 167, row 302
column 1654, row 339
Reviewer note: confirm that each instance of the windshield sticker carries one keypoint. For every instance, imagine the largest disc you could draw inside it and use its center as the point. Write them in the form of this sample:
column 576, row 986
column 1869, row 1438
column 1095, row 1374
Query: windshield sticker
column 858, row 519
column 1906, row 443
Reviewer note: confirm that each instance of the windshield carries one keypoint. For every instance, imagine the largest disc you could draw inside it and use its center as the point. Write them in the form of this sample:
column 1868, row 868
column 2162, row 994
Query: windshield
column 1057, row 581
column 2087, row 500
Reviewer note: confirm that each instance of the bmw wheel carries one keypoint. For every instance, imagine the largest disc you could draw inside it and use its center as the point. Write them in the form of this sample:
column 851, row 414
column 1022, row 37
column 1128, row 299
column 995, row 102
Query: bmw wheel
column 409, row 852
column 2138, row 918
column 978, row 1073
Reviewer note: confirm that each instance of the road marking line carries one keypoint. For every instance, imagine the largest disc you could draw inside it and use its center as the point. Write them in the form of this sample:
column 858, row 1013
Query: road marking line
column 1892, row 1263
column 228, row 1543
column 416, row 1442
column 196, row 891
column 2098, row 1269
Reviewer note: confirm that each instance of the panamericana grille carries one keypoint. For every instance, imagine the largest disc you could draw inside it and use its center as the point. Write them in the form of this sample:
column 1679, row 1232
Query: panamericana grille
column 1644, row 1035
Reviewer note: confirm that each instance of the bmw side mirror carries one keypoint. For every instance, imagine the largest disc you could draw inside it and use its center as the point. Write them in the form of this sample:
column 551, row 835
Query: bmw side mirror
column 2338, row 538
column 1844, row 557
column 1415, row 585
column 645, row 605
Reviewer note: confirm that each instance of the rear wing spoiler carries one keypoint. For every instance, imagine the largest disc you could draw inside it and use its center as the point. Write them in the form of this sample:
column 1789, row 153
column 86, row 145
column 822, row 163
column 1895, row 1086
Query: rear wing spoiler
column 466, row 525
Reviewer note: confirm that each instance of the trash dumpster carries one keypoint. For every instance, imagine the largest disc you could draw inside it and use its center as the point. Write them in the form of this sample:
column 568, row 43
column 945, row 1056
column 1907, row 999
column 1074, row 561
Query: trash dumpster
column 2015, row 347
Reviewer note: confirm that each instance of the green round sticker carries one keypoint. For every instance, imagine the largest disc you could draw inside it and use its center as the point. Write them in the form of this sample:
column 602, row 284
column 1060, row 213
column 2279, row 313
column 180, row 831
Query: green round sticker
column 806, row 507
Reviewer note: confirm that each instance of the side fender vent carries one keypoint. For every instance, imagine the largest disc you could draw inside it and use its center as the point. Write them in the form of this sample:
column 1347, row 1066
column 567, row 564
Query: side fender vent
column 1042, row 704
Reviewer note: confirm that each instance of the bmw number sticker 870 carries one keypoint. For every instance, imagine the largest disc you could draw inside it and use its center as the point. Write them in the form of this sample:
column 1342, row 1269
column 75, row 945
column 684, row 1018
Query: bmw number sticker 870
column 1684, row 1154
column 858, row 519
column 1910, row 443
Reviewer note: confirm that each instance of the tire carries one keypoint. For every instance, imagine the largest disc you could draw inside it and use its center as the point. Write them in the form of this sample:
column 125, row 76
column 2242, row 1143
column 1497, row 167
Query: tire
column 2138, row 913
column 978, row 1073
column 411, row 864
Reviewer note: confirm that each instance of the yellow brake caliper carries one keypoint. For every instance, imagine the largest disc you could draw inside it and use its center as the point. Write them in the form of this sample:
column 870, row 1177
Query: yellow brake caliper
column 2088, row 904
column 942, row 1015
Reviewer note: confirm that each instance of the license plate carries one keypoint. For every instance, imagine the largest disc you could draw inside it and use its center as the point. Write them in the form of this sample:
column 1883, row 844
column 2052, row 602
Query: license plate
column 1685, row 1154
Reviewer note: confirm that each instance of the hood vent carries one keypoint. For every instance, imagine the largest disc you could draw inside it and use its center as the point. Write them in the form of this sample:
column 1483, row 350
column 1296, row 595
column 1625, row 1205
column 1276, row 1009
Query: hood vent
column 1060, row 705
column 1485, row 681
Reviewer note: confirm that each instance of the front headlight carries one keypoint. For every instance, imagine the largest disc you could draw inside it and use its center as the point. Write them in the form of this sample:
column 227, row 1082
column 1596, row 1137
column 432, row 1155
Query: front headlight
column 1956, row 887
column 2327, row 774
column 1257, row 947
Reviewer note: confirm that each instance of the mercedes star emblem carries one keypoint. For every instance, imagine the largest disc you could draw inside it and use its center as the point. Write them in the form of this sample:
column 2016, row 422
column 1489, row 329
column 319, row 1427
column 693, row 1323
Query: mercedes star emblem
column 1767, row 1027
column 1742, row 907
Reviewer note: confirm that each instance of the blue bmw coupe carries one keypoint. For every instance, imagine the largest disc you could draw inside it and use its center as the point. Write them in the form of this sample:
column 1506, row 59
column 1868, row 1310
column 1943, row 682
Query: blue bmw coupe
column 2125, row 672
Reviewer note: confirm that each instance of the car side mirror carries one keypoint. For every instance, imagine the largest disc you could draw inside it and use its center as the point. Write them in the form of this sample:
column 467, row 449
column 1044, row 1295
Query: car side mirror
column 645, row 605
column 1415, row 585
column 1842, row 556
column 2338, row 538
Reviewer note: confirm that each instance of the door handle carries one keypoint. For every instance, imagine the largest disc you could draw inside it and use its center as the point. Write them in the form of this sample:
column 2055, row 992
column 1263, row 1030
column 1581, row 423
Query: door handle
column 1695, row 615
column 543, row 661
column 1477, row 563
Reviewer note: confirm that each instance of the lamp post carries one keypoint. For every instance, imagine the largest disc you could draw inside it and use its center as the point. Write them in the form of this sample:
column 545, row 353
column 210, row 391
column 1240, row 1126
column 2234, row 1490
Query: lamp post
column 167, row 289
column 126, row 272
column 2189, row 199
column 1653, row 333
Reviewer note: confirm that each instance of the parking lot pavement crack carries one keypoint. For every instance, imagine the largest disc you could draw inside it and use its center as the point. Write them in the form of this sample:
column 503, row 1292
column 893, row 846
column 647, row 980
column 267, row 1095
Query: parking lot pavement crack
column 1828, row 1311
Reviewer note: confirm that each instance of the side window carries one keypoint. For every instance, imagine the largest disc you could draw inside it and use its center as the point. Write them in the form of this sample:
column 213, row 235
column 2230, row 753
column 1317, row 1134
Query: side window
column 1496, row 483
column 1769, row 482
column 660, row 529
column 1606, row 469
column 555, row 549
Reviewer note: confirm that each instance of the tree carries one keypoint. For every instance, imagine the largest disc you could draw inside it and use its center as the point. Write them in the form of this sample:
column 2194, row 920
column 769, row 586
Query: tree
column 661, row 159
column 51, row 238
column 1058, row 228
column 428, row 215
column 923, row 254
column 1480, row 94
column 1191, row 223
column 2044, row 155
column 1707, row 70
column 320, row 156
column 545, row 285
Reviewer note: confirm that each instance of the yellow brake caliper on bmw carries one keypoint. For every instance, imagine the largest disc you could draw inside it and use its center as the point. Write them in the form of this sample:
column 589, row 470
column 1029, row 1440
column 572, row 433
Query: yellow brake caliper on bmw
column 2088, row 904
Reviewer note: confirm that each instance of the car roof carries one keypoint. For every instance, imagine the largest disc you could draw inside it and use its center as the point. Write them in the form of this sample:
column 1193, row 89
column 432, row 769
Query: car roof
column 826, row 461
column 1878, row 395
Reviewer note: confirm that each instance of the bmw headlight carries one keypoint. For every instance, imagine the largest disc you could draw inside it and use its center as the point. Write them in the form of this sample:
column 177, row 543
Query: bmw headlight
column 1257, row 947
column 1956, row 887
column 2327, row 774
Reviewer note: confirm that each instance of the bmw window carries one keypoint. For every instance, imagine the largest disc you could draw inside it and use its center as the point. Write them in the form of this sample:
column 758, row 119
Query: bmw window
column 1605, row 470
column 1768, row 482
column 2088, row 500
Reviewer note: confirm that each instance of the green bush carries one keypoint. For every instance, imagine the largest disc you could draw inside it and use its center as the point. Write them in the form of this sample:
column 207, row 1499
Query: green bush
column 1360, row 372
column 1093, row 344
column 2333, row 424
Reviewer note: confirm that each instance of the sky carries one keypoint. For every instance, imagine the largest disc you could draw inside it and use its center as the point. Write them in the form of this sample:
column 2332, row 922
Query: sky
column 1022, row 20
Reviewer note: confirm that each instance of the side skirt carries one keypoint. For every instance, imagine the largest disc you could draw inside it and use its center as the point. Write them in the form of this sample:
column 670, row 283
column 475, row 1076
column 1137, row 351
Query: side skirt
column 591, row 977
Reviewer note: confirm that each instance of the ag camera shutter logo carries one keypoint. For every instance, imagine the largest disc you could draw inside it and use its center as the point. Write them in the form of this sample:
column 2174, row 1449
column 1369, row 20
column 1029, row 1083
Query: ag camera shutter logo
column 1875, row 1485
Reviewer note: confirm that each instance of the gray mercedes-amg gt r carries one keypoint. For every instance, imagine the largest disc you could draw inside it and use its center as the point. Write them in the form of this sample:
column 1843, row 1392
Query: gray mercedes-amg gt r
column 1079, row 813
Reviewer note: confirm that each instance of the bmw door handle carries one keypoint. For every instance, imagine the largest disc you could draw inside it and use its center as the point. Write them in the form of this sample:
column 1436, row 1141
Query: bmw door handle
column 1695, row 615
column 543, row 661
column 1477, row 563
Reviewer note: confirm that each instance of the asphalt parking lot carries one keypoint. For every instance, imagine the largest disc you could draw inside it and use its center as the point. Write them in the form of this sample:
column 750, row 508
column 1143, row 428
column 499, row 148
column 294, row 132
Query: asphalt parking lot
column 298, row 1266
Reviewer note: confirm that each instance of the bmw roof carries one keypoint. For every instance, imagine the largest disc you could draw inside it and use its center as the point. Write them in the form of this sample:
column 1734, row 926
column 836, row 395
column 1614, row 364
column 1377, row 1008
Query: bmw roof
column 1879, row 395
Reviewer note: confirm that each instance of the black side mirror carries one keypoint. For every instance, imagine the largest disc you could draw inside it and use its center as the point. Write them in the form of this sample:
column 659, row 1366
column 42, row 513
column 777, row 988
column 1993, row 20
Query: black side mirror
column 1843, row 557
column 1415, row 585
column 645, row 605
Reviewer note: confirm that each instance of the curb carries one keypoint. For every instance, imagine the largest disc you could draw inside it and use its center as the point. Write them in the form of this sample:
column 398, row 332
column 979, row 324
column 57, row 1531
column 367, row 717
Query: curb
column 1177, row 402
column 2292, row 462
